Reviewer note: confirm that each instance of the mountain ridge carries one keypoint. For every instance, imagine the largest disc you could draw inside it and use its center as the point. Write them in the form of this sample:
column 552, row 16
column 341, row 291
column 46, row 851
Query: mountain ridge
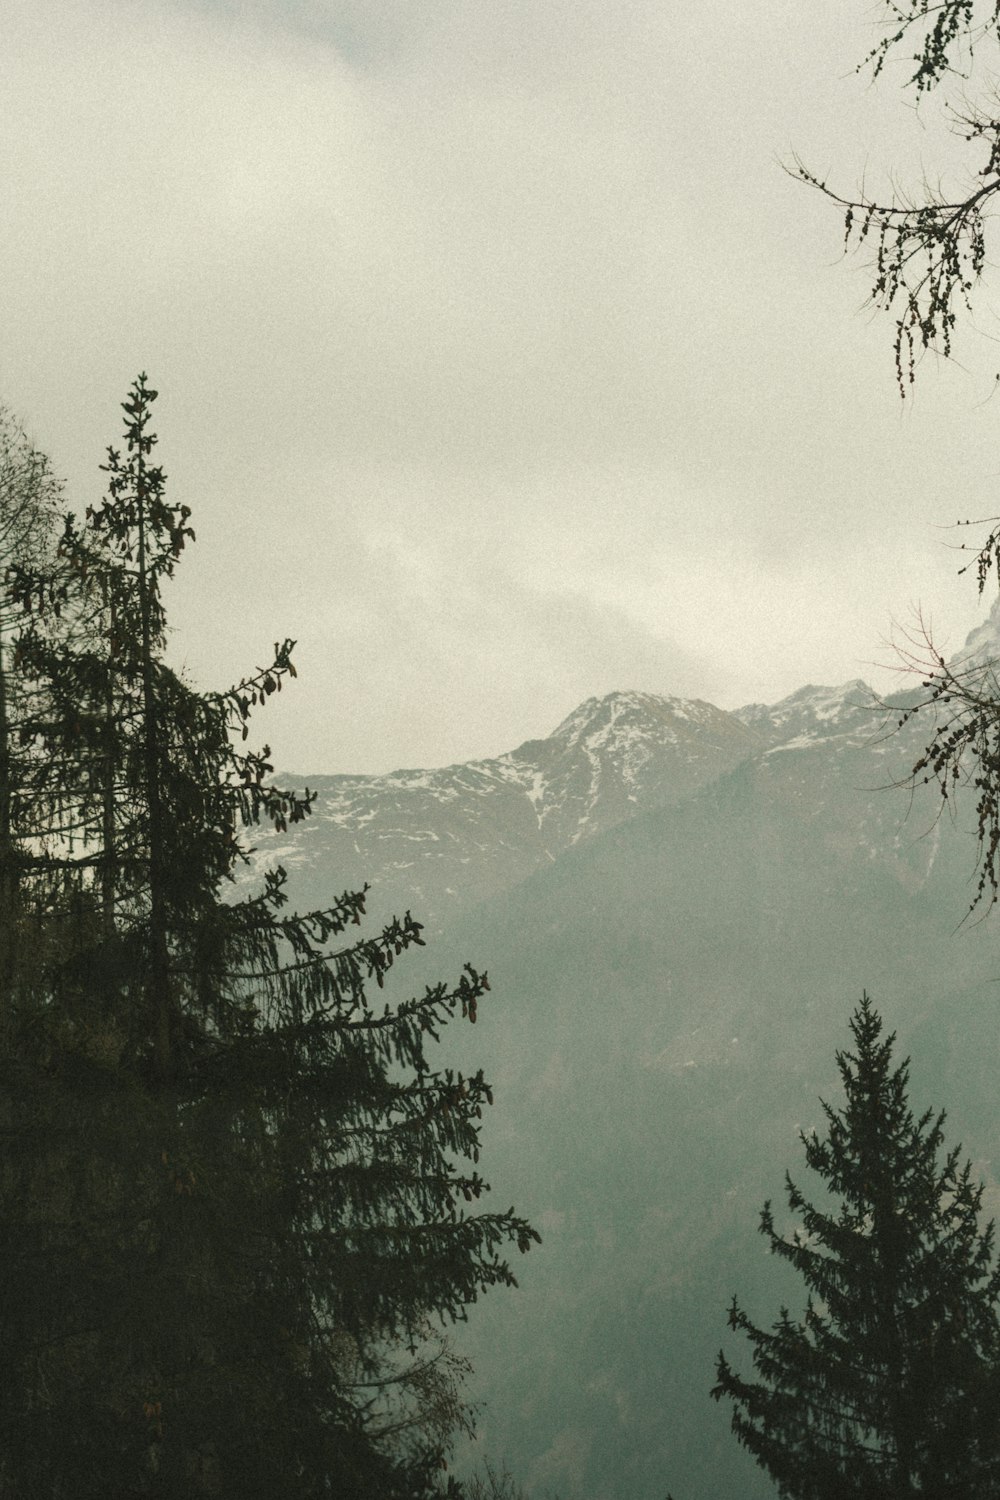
column 668, row 991
column 444, row 838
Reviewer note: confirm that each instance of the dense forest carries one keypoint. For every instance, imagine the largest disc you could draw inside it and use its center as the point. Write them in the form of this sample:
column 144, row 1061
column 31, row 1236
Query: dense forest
column 238, row 1196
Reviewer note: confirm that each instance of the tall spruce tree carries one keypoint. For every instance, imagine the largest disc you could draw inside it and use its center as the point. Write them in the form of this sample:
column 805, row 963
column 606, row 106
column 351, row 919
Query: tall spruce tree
column 889, row 1385
column 234, row 1191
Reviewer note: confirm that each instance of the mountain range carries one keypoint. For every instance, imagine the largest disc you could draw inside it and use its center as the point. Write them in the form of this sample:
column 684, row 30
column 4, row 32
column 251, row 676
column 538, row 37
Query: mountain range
column 679, row 907
column 446, row 839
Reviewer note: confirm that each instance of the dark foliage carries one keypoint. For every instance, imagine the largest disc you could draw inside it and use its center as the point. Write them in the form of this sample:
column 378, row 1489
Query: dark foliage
column 888, row 1385
column 930, row 249
column 234, row 1198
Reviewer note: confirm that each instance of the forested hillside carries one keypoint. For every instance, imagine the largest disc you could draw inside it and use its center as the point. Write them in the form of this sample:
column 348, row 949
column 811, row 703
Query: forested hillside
column 566, row 1068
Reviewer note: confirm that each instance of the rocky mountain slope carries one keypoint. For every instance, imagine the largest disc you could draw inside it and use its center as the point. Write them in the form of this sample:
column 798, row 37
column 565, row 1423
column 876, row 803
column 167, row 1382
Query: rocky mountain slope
column 441, row 840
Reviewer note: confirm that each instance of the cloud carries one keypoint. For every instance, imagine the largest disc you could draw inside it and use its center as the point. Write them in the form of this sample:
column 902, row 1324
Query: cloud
column 459, row 290
column 536, row 654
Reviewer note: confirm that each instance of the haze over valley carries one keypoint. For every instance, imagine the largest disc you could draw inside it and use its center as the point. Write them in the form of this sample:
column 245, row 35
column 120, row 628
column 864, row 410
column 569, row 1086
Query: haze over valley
column 678, row 908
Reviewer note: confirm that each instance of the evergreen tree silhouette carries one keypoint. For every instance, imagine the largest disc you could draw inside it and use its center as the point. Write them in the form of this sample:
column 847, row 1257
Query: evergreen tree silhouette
column 235, row 1192
column 888, row 1384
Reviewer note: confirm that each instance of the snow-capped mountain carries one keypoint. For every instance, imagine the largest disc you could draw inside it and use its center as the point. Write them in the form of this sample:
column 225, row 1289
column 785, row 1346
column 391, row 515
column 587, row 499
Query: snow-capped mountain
column 670, row 995
column 678, row 906
column 815, row 713
column 437, row 840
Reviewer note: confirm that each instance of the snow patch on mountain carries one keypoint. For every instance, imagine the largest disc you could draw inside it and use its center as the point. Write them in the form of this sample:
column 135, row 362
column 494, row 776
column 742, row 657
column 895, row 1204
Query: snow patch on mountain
column 499, row 819
column 456, row 835
column 814, row 713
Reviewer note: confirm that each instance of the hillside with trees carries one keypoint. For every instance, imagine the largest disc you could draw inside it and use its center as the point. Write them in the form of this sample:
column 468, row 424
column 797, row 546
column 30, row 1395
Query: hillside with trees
column 676, row 991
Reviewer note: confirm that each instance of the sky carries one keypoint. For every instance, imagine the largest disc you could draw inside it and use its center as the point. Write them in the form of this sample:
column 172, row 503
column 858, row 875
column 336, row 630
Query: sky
column 500, row 361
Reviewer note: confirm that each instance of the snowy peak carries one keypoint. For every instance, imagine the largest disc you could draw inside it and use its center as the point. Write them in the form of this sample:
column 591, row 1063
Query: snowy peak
column 625, row 717
column 436, row 840
column 815, row 713
column 458, row 834
column 624, row 753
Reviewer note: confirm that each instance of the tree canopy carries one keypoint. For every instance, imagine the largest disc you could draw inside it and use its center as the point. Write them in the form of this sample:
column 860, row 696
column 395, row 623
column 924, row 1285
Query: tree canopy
column 888, row 1384
column 237, row 1196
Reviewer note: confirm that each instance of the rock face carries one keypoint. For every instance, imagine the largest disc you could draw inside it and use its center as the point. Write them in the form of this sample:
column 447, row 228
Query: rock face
column 438, row 841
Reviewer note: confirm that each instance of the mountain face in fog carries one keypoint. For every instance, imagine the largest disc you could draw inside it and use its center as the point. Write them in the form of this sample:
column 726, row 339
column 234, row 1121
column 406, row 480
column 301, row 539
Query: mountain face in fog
column 438, row 841
column 678, row 908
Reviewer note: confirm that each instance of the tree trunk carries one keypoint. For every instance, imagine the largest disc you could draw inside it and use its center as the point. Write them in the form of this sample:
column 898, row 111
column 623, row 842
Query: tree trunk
column 159, row 987
column 9, row 882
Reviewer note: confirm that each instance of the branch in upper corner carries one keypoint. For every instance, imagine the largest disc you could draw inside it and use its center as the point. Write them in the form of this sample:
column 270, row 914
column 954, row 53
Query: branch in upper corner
column 943, row 32
column 963, row 699
column 927, row 256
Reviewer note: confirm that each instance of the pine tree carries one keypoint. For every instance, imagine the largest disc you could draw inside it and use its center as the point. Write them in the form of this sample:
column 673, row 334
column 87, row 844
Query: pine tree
column 888, row 1385
column 234, row 1190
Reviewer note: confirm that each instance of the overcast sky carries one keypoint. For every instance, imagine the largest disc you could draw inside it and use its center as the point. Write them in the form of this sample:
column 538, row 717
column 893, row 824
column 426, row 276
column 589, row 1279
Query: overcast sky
column 500, row 363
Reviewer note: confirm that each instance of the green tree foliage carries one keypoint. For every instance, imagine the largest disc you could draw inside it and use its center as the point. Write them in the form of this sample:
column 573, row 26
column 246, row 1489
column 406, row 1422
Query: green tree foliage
column 236, row 1195
column 889, row 1384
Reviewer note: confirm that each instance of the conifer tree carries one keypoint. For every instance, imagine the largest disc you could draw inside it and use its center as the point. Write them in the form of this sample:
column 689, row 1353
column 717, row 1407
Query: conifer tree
column 234, row 1190
column 889, row 1384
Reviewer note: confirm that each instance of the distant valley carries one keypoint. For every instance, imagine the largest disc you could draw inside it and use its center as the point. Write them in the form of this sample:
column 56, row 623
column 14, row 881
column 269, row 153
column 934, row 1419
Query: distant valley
column 678, row 907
